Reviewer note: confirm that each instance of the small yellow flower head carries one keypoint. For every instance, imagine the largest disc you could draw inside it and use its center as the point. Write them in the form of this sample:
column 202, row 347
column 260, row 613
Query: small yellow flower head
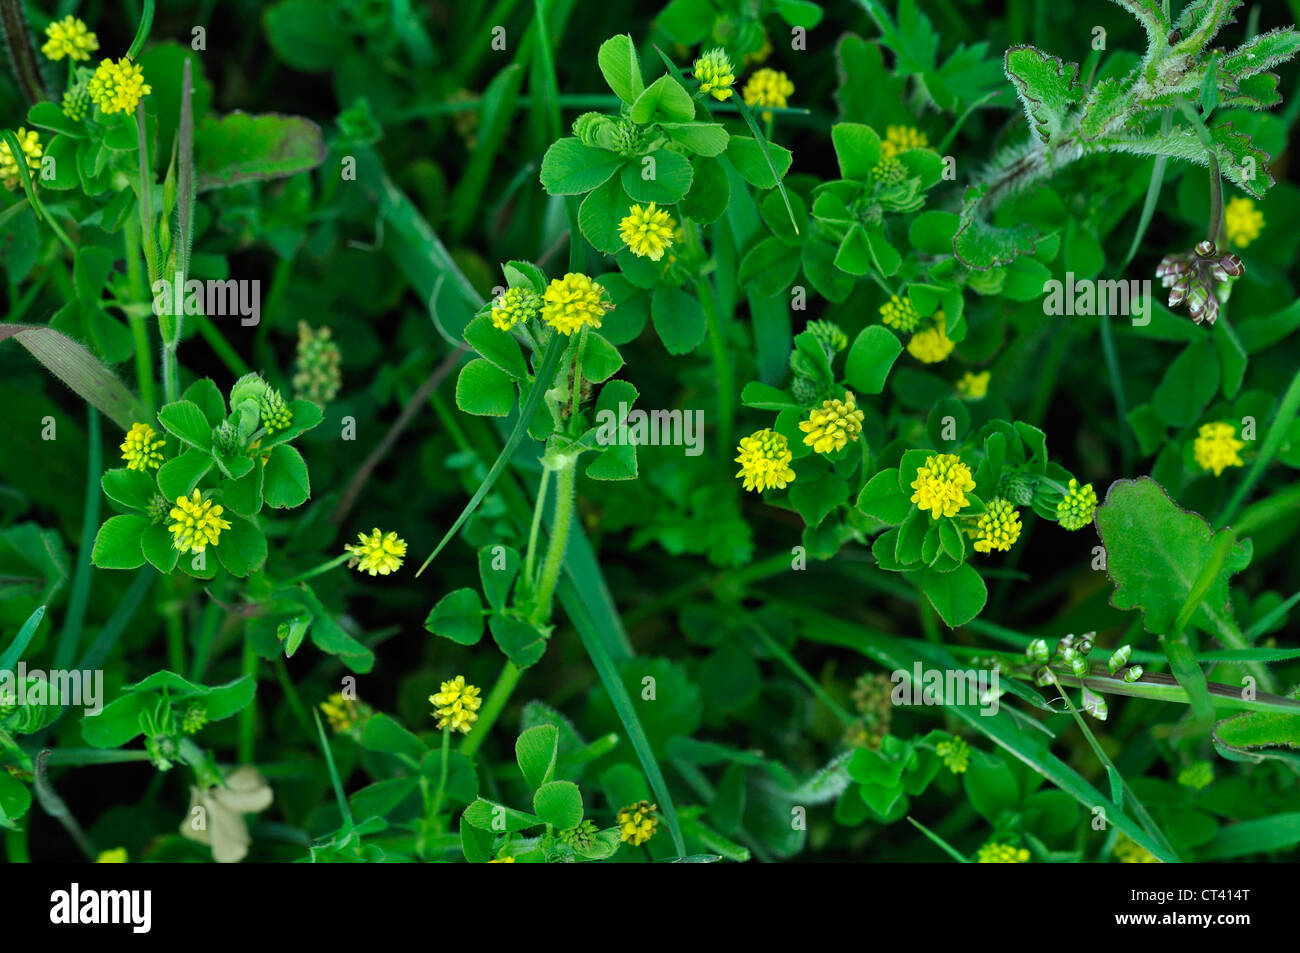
column 502, row 860
column 195, row 717
column 900, row 314
column 142, row 448
column 889, row 171
column 941, row 485
column 456, row 705
column 1242, row 221
column 69, row 37
column 992, row 853
column 115, row 856
column 379, row 553
column 997, row 528
column 76, row 99
column 1128, row 851
column 637, row 823
column 276, row 415
column 974, row 386
column 515, row 306
column 765, row 460
column 932, row 345
column 118, row 87
column 955, row 755
column 1216, row 447
column 31, row 145
column 317, row 375
column 833, row 425
column 768, row 87
column 342, row 713
column 1076, row 510
column 647, row 231
column 714, row 73
column 574, row 301
column 196, row 523
column 900, row 139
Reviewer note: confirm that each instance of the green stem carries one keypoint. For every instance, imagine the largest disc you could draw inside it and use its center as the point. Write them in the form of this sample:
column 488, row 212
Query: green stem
column 575, row 375
column 139, row 329
column 292, row 697
column 248, row 717
column 801, row 673
column 442, row 772
column 496, row 701
column 1277, row 431
column 70, row 635
column 530, row 560
column 16, row 846
column 322, row 568
column 721, row 365
column 565, row 493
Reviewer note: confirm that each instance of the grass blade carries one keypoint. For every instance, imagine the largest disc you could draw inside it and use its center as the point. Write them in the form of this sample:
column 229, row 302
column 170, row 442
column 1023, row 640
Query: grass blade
column 19, row 645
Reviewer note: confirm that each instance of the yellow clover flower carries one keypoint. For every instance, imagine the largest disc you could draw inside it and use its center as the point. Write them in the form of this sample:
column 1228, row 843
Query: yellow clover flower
column 974, row 386
column 765, row 460
column 379, row 553
column 502, row 860
column 932, row 345
column 997, row 528
column 648, row 231
column 118, row 87
column 457, row 705
column 515, row 306
column 768, row 87
column 1128, row 851
column 69, row 37
column 30, row 142
column 714, row 73
column 140, row 450
column 1242, row 221
column 992, row 853
column 900, row 314
column 833, row 425
column 342, row 713
column 573, row 302
column 900, row 139
column 955, row 755
column 116, row 855
column 196, row 523
column 637, row 823
column 941, row 485
column 1216, row 447
column 1076, row 510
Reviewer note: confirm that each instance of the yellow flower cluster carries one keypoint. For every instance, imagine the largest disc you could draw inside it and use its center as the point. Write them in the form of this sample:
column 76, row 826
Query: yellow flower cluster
column 196, row 523
column 765, row 460
column 140, row 449
column 118, row 87
column 768, row 87
column 973, row 386
column 941, row 485
column 516, row 306
column 30, row 142
column 1076, row 510
column 573, row 302
column 932, row 345
column 457, row 705
column 1128, row 851
column 379, row 553
column 955, row 755
column 69, row 37
column 900, row 139
column 1217, row 447
column 992, row 853
column 648, row 231
column 637, row 823
column 714, row 73
column 997, row 528
column 899, row 314
column 1242, row 221
column 833, row 425
column 343, row 714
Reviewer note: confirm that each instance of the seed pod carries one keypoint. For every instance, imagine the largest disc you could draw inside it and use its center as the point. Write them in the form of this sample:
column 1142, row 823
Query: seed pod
column 1119, row 658
column 1133, row 673
column 1095, row 705
column 1079, row 665
column 1068, row 654
column 1043, row 676
column 1037, row 651
column 1085, row 644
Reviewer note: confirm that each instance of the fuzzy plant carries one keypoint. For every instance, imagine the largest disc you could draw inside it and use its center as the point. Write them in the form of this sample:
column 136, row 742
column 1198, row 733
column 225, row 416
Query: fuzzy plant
column 1162, row 107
